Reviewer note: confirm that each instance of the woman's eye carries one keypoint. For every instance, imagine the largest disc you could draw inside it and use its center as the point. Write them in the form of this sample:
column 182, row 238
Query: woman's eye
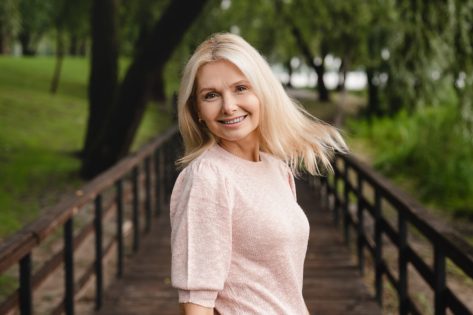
column 241, row 88
column 210, row 95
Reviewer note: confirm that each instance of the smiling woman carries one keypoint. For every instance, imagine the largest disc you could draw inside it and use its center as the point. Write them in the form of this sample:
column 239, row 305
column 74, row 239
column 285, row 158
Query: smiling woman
column 238, row 237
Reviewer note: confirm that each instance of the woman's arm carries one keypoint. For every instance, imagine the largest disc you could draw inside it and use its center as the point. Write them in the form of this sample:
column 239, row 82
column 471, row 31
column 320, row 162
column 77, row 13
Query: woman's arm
column 194, row 309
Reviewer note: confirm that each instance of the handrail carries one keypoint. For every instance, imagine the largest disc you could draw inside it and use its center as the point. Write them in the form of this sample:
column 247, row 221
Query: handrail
column 445, row 242
column 159, row 154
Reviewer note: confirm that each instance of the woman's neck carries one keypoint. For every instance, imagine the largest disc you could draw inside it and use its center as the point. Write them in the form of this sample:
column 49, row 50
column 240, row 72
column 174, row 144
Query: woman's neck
column 248, row 150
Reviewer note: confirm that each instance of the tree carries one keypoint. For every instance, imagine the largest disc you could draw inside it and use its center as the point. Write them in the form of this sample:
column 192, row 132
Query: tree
column 309, row 22
column 65, row 18
column 114, row 140
column 35, row 21
column 103, row 80
column 137, row 19
column 77, row 26
column 462, row 62
column 9, row 24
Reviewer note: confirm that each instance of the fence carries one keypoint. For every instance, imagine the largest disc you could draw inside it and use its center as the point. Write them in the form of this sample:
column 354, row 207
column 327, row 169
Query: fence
column 373, row 195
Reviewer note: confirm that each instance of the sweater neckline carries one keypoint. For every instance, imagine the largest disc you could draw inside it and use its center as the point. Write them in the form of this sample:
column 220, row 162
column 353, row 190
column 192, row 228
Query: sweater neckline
column 240, row 160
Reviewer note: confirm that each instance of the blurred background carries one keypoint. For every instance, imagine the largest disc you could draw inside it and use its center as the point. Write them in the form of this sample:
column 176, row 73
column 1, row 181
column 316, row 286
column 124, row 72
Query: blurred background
column 83, row 83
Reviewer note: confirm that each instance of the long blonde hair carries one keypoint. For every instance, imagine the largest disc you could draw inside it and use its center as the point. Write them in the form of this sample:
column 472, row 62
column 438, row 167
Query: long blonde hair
column 286, row 129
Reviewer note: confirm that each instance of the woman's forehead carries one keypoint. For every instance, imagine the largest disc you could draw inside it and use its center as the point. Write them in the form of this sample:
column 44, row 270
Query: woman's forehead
column 218, row 73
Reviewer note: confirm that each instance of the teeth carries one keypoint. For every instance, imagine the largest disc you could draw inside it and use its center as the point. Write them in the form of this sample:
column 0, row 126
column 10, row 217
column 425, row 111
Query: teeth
column 234, row 121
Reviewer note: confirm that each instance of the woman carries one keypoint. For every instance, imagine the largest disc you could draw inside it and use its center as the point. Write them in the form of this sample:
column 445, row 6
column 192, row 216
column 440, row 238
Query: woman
column 238, row 237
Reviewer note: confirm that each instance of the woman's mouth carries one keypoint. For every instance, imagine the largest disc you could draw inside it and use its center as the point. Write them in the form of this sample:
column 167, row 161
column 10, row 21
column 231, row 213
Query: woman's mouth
column 232, row 121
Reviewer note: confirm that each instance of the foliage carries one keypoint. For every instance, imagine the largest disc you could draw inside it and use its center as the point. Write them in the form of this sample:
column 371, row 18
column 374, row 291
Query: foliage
column 430, row 148
column 35, row 22
column 136, row 18
column 9, row 19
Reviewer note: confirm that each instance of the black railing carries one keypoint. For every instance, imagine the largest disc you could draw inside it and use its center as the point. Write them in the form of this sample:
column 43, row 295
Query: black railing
column 369, row 197
column 151, row 167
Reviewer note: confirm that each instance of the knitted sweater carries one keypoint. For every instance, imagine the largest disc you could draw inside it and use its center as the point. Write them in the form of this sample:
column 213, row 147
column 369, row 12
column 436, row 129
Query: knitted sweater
column 238, row 237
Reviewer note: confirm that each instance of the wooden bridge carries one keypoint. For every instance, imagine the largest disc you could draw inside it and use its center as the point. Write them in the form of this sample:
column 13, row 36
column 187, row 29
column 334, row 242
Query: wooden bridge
column 105, row 250
column 332, row 283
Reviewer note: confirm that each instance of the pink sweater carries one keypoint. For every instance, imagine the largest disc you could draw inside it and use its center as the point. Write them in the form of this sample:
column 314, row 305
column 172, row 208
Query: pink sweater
column 238, row 237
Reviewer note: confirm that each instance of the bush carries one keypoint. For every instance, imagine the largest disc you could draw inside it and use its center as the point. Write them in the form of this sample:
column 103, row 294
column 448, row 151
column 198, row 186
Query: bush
column 430, row 148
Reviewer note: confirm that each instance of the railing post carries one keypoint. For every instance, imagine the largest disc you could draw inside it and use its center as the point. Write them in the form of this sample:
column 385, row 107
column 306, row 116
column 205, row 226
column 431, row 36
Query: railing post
column 346, row 192
column 26, row 305
column 119, row 201
column 346, row 214
column 361, row 224
column 402, row 267
column 136, row 210
column 158, row 170
column 166, row 172
column 324, row 191
column 69, row 266
column 439, row 281
column 98, row 253
column 336, row 177
column 148, row 194
column 378, row 254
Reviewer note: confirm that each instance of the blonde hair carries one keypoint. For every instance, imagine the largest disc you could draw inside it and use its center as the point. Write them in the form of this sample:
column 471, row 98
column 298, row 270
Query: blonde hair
column 286, row 129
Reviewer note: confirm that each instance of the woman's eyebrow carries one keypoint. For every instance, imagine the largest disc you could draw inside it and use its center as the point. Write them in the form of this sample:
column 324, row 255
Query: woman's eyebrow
column 241, row 82
column 210, row 88
column 204, row 89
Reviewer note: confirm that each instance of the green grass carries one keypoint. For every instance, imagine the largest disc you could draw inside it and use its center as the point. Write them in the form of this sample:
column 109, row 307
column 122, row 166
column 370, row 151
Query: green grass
column 39, row 132
column 429, row 152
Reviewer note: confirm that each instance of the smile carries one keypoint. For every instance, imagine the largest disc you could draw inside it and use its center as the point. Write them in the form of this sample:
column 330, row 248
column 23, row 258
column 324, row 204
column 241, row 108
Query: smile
column 233, row 121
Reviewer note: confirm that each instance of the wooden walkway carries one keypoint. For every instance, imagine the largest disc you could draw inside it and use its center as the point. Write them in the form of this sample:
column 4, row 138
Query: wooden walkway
column 332, row 284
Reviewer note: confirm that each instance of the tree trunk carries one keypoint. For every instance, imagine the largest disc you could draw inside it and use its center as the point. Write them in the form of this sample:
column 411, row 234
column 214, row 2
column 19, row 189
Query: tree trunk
column 126, row 116
column 319, row 69
column 104, row 70
column 59, row 58
column 5, row 40
column 82, row 49
column 342, row 76
column 157, row 88
column 25, row 43
column 156, row 91
column 321, row 87
column 74, row 45
column 373, row 96
column 289, row 72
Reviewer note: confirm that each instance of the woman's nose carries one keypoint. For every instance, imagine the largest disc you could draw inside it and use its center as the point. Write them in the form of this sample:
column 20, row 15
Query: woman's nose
column 229, row 104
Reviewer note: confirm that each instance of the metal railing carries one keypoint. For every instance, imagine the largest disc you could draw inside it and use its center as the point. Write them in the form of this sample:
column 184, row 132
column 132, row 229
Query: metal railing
column 354, row 185
column 151, row 167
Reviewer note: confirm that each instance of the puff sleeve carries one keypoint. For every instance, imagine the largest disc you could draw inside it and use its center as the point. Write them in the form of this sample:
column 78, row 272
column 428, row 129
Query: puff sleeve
column 201, row 234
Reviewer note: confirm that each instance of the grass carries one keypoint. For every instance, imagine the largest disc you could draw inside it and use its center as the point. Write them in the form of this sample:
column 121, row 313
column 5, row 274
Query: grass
column 428, row 151
column 39, row 132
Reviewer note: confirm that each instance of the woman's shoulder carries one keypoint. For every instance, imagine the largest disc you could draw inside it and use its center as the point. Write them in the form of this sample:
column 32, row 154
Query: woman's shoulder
column 203, row 175
column 207, row 164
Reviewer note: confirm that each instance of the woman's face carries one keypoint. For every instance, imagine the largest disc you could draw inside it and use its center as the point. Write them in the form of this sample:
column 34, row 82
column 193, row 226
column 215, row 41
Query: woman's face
column 227, row 103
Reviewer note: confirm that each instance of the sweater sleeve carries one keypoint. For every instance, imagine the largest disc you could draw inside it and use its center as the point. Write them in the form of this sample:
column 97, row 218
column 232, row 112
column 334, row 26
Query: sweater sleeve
column 201, row 235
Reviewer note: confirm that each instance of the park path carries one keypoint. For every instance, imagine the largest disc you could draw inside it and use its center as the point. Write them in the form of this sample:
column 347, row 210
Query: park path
column 332, row 283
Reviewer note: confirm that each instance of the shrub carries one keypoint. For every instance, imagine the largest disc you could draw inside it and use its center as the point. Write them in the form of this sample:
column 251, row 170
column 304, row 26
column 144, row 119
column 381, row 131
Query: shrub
column 430, row 148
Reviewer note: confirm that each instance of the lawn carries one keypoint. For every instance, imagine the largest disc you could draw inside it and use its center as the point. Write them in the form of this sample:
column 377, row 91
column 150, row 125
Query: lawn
column 39, row 133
